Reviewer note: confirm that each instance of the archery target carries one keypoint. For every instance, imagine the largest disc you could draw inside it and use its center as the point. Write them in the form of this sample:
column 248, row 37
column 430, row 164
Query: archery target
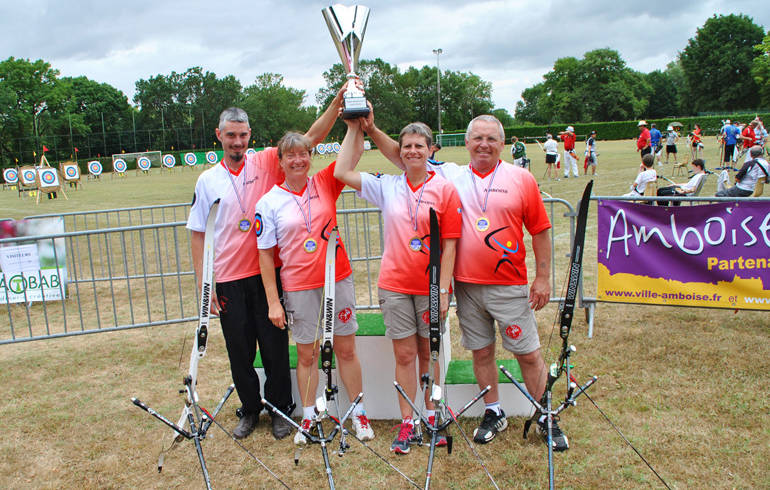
column 169, row 160
column 320, row 148
column 119, row 165
column 11, row 176
column 212, row 157
column 251, row 151
column 28, row 176
column 190, row 159
column 71, row 172
column 143, row 163
column 336, row 147
column 95, row 167
column 48, row 177
column 329, row 148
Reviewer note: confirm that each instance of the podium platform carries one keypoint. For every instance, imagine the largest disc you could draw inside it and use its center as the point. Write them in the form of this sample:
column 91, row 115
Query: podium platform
column 375, row 352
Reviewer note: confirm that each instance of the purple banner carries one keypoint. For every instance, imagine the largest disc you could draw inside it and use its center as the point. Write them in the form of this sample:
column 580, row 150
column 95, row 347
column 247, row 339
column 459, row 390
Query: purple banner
column 715, row 255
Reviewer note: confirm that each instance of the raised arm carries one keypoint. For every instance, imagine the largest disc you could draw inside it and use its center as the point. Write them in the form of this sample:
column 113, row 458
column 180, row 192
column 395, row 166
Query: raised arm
column 385, row 143
column 350, row 154
column 323, row 124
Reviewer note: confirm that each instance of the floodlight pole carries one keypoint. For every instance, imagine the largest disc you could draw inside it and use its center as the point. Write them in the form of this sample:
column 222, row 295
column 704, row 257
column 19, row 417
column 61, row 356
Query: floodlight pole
column 438, row 52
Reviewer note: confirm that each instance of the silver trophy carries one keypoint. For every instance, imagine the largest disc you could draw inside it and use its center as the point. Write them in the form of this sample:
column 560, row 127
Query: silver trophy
column 347, row 26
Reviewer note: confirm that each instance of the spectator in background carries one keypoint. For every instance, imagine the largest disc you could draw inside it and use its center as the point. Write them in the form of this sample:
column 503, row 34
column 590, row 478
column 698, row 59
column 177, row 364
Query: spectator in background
column 699, row 173
column 570, row 157
column 730, row 135
column 671, row 138
column 590, row 153
column 655, row 138
column 643, row 142
column 749, row 137
column 434, row 148
column 747, row 177
column 696, row 142
column 519, row 153
column 646, row 175
column 551, row 149
column 760, row 133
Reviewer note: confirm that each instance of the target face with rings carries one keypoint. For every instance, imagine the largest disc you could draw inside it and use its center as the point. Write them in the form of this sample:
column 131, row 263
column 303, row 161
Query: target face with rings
column 95, row 167
column 320, row 149
column 169, row 160
column 336, row 147
column 11, row 176
column 71, row 171
column 144, row 163
column 211, row 157
column 190, row 159
column 119, row 165
column 28, row 176
column 48, row 177
column 329, row 147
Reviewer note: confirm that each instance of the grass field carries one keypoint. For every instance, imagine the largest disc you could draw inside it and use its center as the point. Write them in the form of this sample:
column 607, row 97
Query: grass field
column 684, row 384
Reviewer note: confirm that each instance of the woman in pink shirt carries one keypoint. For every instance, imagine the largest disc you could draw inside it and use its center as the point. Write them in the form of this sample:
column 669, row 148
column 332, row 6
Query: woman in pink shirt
column 405, row 201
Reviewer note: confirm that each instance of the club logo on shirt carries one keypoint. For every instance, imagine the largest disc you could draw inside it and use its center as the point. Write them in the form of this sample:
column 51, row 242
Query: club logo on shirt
column 513, row 331
column 344, row 315
column 506, row 250
column 258, row 224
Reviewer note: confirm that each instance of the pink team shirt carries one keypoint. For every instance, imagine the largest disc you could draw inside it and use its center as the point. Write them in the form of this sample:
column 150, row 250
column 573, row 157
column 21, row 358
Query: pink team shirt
column 281, row 221
column 236, row 254
column 491, row 249
column 404, row 265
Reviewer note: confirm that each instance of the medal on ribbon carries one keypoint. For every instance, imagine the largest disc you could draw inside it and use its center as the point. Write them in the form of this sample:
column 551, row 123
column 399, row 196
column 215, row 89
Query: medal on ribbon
column 415, row 244
column 310, row 246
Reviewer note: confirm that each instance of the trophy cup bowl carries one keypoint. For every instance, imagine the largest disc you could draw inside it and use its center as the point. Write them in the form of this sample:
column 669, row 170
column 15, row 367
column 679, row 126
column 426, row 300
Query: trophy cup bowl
column 347, row 26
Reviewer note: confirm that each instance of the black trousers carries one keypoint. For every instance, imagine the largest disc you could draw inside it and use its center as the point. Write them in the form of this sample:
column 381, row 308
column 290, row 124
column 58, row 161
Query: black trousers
column 243, row 315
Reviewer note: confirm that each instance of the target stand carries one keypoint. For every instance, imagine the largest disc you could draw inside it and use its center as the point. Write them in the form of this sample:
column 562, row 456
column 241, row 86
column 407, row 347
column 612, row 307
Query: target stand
column 11, row 178
column 190, row 160
column 119, row 167
column 95, row 169
column 47, row 181
column 169, row 163
column 70, row 173
column 27, row 181
column 212, row 158
column 143, row 165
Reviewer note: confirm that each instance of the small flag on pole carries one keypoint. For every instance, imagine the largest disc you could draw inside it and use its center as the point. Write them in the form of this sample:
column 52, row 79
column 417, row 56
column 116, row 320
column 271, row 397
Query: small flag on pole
column 76, row 149
column 45, row 149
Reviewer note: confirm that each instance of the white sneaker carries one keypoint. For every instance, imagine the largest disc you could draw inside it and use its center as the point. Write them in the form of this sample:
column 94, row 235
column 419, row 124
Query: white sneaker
column 363, row 429
column 299, row 437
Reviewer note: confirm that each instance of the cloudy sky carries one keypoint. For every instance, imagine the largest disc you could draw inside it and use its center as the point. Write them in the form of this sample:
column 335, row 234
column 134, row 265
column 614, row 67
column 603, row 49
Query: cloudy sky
column 509, row 43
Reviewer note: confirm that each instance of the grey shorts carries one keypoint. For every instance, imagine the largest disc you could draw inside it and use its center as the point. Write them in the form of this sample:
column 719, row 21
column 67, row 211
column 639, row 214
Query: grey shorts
column 405, row 314
column 479, row 306
column 303, row 311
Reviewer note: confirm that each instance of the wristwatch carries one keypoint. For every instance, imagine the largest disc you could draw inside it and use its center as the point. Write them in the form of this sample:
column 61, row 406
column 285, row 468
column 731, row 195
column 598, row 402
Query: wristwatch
column 443, row 291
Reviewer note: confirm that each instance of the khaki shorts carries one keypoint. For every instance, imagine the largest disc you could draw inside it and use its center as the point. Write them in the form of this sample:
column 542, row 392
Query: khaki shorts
column 479, row 306
column 303, row 312
column 405, row 315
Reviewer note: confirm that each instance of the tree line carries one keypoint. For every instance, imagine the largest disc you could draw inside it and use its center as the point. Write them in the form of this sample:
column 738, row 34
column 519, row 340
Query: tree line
column 725, row 67
column 78, row 117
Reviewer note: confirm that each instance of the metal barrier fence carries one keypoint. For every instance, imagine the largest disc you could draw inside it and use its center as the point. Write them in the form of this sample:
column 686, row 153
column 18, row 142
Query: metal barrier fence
column 138, row 273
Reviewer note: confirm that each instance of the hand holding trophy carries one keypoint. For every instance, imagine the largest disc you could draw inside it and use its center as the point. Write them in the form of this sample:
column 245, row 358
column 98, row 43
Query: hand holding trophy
column 347, row 26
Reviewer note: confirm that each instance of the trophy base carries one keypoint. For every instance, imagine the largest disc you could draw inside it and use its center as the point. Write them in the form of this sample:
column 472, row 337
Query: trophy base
column 355, row 113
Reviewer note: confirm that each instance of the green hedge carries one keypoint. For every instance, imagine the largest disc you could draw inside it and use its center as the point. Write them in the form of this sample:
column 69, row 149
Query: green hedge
column 618, row 130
